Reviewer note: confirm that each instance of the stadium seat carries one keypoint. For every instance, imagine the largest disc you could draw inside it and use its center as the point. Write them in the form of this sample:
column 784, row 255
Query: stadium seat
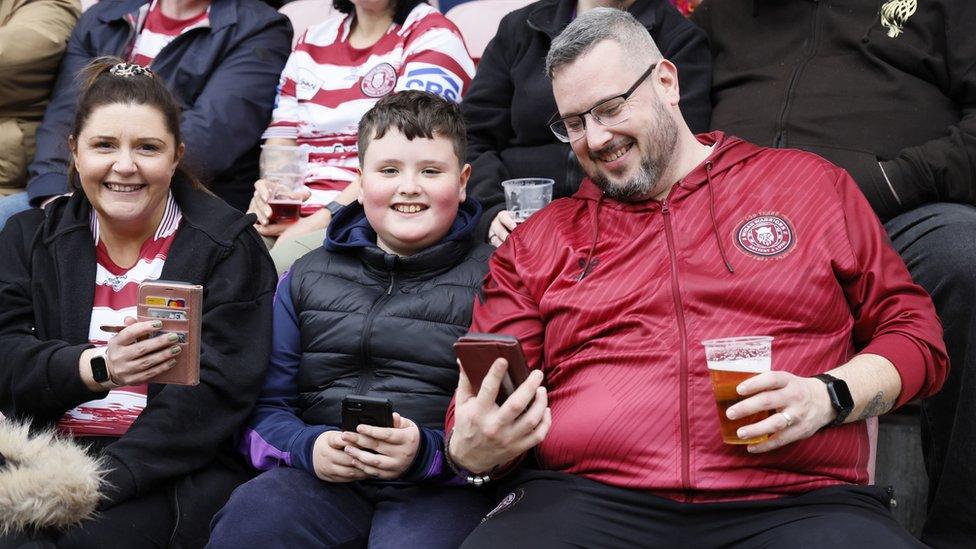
column 478, row 21
column 305, row 13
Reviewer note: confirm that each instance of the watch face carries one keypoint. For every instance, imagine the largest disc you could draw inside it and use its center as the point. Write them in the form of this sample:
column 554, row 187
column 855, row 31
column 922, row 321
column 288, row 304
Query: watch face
column 99, row 369
column 843, row 394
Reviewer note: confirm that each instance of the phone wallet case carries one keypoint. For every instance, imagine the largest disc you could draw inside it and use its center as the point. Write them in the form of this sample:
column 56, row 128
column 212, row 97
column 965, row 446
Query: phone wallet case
column 478, row 351
column 179, row 307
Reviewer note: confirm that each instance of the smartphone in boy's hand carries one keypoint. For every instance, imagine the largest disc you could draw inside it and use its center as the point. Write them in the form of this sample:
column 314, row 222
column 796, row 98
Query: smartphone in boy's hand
column 364, row 410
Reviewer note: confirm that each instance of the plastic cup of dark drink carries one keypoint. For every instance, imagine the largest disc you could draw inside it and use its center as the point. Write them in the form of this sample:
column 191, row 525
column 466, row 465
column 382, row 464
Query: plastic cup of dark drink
column 730, row 362
column 284, row 166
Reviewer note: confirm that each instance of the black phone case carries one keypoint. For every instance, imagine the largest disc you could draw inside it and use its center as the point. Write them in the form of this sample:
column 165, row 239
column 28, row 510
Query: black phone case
column 357, row 409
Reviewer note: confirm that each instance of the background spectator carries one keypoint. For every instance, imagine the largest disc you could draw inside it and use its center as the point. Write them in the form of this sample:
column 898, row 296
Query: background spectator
column 68, row 271
column 33, row 34
column 887, row 92
column 337, row 72
column 510, row 103
column 221, row 60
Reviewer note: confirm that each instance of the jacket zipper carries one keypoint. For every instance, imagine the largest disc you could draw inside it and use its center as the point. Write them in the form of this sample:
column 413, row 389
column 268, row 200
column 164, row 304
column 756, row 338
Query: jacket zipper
column 366, row 372
column 780, row 140
column 683, row 359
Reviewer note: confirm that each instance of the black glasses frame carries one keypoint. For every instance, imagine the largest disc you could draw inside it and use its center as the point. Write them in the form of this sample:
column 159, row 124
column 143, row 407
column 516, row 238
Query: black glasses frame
column 582, row 116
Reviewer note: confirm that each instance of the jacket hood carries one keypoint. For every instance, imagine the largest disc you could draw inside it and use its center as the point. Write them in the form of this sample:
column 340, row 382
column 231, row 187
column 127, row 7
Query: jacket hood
column 728, row 152
column 200, row 209
column 350, row 229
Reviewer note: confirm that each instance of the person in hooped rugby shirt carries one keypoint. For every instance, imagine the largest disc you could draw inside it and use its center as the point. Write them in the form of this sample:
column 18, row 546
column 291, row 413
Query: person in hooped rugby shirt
column 69, row 272
column 337, row 71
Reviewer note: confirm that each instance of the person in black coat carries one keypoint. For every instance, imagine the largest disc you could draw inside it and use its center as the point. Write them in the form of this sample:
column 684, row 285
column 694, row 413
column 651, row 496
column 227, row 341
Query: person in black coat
column 374, row 312
column 72, row 268
column 508, row 108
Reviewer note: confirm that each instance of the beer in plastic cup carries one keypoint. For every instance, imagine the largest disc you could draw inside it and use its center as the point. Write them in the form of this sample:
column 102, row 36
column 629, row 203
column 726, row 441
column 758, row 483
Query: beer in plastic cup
column 525, row 196
column 285, row 166
column 730, row 362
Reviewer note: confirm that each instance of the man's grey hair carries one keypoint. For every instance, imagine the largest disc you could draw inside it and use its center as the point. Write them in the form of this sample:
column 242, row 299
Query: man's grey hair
column 601, row 24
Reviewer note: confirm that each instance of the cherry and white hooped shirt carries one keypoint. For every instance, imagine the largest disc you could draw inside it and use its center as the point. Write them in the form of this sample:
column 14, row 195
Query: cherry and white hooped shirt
column 116, row 294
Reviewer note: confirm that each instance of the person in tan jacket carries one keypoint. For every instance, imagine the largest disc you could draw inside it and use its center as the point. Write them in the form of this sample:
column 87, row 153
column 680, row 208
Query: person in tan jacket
column 33, row 35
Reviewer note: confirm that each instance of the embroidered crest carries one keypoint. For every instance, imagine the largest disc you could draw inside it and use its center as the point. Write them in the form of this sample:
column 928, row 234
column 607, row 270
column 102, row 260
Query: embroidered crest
column 765, row 236
column 507, row 502
column 379, row 81
column 895, row 13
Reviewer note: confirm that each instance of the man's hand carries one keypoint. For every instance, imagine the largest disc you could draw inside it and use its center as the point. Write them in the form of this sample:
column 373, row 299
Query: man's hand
column 801, row 407
column 331, row 462
column 487, row 435
column 500, row 228
column 395, row 448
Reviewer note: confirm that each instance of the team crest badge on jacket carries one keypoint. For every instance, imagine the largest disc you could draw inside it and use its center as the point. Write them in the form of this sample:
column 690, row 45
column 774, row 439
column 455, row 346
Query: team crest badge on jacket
column 765, row 236
column 379, row 81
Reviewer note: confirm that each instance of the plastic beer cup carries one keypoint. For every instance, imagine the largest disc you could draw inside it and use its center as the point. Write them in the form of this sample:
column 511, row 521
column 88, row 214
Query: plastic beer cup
column 525, row 196
column 730, row 362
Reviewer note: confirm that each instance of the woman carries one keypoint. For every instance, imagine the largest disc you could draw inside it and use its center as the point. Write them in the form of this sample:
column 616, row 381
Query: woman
column 69, row 272
column 508, row 109
column 338, row 70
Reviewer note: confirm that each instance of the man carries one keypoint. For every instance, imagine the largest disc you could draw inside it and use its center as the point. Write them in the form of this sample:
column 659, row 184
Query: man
column 887, row 92
column 220, row 58
column 666, row 244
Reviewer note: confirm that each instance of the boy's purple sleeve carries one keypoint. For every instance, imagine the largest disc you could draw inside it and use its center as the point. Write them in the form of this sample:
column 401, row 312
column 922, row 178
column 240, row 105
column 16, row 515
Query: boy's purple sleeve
column 429, row 465
column 274, row 434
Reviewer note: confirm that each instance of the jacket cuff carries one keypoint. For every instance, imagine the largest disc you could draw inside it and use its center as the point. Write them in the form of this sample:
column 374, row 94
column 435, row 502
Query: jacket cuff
column 120, row 484
column 64, row 379
column 907, row 358
column 303, row 446
column 428, row 463
column 45, row 186
column 899, row 177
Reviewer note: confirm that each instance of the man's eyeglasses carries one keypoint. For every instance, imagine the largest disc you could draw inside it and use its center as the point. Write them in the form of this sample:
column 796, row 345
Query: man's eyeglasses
column 611, row 112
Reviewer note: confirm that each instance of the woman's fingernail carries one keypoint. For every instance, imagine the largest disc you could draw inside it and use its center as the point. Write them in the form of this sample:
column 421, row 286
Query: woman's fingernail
column 157, row 324
column 173, row 337
column 175, row 349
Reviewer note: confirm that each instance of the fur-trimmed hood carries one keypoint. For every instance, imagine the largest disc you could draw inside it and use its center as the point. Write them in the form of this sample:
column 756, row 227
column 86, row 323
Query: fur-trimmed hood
column 45, row 480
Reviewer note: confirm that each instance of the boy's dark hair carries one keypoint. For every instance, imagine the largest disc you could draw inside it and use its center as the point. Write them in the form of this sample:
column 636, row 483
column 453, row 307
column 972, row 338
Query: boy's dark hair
column 414, row 114
column 400, row 12
column 110, row 80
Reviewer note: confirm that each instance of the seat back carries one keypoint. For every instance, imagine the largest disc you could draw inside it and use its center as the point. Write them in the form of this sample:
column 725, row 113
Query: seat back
column 305, row 13
column 478, row 21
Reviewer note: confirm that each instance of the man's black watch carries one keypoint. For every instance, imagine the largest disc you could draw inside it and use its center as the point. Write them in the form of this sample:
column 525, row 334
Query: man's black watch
column 840, row 397
column 99, row 369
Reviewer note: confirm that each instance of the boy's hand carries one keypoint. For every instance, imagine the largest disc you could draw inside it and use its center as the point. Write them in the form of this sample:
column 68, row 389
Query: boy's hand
column 330, row 462
column 395, row 448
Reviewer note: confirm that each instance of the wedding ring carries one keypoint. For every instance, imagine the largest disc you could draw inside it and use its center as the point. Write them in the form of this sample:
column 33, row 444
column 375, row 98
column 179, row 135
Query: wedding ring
column 788, row 418
column 493, row 235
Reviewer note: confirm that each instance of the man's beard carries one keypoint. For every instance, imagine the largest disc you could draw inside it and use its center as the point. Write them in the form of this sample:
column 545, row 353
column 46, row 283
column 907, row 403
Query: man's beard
column 645, row 182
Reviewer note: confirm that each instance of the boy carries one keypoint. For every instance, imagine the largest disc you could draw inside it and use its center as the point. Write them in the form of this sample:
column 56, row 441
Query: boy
column 374, row 312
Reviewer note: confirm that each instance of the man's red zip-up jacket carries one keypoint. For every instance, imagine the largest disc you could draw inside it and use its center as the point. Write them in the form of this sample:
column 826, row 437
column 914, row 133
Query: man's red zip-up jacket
column 612, row 301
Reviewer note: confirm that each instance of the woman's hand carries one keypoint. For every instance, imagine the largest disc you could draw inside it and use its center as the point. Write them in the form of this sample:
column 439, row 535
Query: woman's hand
column 132, row 357
column 330, row 462
column 395, row 448
column 501, row 227
column 263, row 193
column 305, row 225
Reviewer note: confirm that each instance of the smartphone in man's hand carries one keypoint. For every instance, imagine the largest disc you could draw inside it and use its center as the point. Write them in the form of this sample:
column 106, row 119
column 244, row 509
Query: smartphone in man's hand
column 477, row 352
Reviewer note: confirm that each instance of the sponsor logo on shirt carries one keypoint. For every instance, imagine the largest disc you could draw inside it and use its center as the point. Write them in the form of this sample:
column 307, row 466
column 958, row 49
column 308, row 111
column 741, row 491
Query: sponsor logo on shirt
column 379, row 81
column 436, row 81
column 765, row 235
